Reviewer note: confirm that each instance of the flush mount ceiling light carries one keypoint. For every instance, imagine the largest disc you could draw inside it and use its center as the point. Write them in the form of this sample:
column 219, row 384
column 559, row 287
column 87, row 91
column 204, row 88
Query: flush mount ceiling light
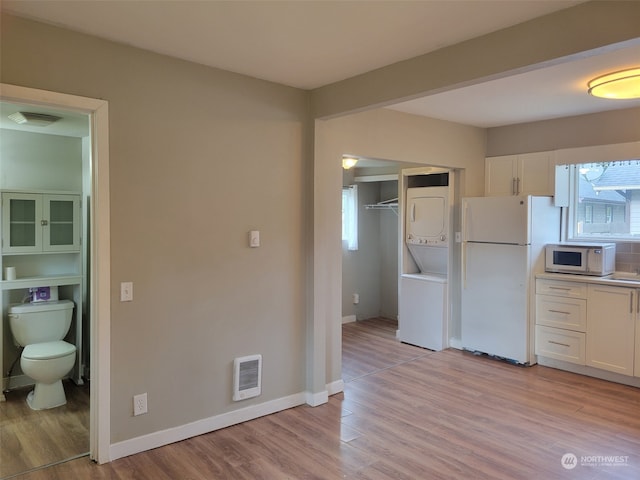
column 34, row 119
column 349, row 162
column 624, row 84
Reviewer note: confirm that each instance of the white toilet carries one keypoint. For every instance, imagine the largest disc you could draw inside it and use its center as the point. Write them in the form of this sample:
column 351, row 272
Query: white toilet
column 40, row 328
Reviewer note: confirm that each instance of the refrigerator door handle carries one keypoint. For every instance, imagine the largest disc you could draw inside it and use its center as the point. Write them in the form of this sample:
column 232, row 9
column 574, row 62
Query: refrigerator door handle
column 465, row 226
column 463, row 261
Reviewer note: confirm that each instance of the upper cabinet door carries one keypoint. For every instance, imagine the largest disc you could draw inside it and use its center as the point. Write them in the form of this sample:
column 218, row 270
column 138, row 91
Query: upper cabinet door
column 21, row 217
column 500, row 176
column 37, row 223
column 536, row 174
column 526, row 174
column 61, row 223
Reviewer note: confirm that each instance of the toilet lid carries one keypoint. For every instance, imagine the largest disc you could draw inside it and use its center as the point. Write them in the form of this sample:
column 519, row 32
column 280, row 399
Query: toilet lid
column 48, row 350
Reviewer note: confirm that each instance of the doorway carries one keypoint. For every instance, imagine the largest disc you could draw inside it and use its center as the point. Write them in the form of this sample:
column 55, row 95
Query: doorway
column 98, row 252
column 370, row 270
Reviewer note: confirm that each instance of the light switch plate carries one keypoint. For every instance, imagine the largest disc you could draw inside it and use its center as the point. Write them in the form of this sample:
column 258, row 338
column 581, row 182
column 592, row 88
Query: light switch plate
column 254, row 238
column 126, row 292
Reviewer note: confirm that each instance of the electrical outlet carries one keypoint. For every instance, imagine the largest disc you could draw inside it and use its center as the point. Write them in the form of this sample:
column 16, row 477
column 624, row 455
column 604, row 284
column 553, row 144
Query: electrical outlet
column 139, row 404
column 126, row 292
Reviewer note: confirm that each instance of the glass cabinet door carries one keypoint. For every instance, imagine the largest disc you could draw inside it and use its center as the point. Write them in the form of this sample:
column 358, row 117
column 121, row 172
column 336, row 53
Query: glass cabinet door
column 33, row 223
column 60, row 228
column 21, row 229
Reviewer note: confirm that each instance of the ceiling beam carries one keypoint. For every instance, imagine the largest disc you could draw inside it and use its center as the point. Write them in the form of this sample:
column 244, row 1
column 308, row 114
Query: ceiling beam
column 580, row 31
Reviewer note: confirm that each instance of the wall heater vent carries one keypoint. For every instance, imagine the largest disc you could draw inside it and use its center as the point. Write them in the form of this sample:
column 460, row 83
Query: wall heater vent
column 247, row 377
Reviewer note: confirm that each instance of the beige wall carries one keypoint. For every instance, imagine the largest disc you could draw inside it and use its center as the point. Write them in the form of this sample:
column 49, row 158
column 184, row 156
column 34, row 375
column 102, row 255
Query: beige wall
column 616, row 126
column 198, row 157
column 383, row 134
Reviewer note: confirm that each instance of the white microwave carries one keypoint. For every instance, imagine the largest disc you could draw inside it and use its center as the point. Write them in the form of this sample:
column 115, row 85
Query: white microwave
column 581, row 258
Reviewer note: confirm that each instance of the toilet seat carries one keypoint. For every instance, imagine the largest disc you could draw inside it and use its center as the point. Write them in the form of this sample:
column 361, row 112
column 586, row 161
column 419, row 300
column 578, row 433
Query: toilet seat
column 48, row 350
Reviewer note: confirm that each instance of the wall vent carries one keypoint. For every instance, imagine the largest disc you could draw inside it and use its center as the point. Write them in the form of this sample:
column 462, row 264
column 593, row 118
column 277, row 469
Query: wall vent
column 247, row 377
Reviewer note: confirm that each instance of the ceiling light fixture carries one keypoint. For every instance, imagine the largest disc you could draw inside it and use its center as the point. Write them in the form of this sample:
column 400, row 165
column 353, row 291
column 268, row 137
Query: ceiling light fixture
column 623, row 84
column 35, row 119
column 349, row 162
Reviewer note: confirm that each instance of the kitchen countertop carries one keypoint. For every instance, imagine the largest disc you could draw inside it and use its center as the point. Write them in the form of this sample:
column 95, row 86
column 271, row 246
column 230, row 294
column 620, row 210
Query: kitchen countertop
column 606, row 280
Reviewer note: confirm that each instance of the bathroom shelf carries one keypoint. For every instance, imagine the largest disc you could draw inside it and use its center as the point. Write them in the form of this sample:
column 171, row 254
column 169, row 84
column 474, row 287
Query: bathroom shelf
column 44, row 281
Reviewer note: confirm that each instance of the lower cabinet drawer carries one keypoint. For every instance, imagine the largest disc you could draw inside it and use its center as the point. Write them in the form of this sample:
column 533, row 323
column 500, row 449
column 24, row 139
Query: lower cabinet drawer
column 561, row 344
column 560, row 312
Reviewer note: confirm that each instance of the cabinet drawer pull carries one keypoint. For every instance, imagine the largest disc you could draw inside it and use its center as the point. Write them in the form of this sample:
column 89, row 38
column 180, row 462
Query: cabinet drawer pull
column 558, row 343
column 564, row 289
column 560, row 311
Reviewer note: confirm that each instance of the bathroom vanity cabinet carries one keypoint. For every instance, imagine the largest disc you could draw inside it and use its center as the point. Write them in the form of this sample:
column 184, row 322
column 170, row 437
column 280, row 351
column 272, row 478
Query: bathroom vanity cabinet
column 41, row 239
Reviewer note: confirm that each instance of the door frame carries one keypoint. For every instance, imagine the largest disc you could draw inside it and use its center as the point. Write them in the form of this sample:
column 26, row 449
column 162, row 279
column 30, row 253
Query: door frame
column 100, row 253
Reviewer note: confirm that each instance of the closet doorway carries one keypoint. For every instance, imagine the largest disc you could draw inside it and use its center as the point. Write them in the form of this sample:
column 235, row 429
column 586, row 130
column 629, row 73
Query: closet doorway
column 370, row 270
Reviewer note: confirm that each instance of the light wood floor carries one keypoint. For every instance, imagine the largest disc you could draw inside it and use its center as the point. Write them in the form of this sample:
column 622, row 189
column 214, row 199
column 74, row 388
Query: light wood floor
column 409, row 413
column 31, row 438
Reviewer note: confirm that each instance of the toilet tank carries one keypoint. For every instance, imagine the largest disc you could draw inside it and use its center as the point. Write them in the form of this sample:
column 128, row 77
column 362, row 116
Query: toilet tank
column 40, row 322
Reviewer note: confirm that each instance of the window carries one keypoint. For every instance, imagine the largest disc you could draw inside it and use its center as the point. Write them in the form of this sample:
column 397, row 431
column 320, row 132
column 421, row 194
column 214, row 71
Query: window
column 606, row 203
column 608, row 214
column 350, row 217
column 588, row 214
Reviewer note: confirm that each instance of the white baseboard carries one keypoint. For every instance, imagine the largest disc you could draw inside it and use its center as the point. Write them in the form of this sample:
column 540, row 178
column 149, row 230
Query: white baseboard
column 455, row 343
column 335, row 387
column 316, row 399
column 349, row 319
column 176, row 434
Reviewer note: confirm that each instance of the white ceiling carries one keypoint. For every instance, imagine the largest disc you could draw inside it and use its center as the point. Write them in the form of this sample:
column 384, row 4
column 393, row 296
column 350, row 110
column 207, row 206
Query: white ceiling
column 307, row 44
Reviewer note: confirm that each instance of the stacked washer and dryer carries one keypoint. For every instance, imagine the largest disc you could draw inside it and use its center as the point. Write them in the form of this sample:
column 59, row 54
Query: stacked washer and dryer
column 423, row 315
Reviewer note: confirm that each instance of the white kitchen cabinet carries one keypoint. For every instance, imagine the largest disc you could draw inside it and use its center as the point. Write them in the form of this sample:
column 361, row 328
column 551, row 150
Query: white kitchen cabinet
column 561, row 320
column 560, row 312
column 611, row 318
column 526, row 174
column 40, row 223
column 561, row 344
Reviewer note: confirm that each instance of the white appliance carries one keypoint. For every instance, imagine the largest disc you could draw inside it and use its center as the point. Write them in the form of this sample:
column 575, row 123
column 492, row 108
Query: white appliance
column 423, row 303
column 581, row 258
column 427, row 228
column 503, row 250
column 423, row 310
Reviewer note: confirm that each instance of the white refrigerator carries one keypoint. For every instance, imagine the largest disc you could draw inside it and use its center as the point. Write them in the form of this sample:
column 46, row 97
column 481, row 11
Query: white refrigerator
column 503, row 250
